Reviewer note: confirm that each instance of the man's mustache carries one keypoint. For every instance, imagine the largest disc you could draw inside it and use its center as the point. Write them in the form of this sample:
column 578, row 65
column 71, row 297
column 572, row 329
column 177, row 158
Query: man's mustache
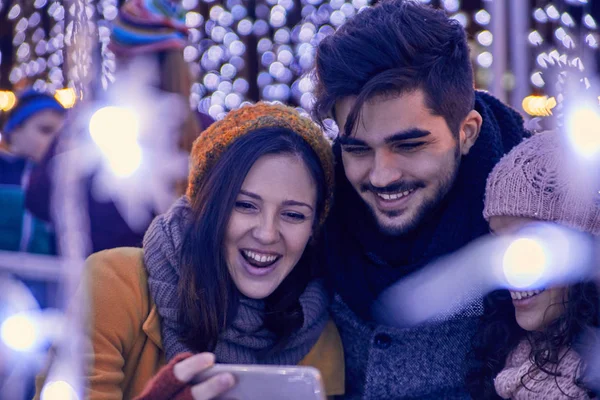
column 391, row 188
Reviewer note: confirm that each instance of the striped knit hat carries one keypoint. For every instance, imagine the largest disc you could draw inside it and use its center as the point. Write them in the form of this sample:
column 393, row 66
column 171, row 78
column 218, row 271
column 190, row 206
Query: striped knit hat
column 146, row 26
column 213, row 142
column 532, row 181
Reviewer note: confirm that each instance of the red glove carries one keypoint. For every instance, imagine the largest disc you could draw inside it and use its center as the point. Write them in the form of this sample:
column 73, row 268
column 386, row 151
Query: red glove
column 165, row 386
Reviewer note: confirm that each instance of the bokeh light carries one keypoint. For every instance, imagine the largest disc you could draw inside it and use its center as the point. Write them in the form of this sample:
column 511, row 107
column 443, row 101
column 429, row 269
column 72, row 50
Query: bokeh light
column 583, row 131
column 58, row 390
column 115, row 131
column 524, row 262
column 20, row 332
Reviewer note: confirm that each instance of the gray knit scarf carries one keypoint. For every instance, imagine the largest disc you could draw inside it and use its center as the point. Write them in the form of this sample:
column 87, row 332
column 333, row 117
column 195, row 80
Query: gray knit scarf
column 245, row 338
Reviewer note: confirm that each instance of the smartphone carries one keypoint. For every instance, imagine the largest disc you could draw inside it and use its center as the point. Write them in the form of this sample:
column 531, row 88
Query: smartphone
column 269, row 382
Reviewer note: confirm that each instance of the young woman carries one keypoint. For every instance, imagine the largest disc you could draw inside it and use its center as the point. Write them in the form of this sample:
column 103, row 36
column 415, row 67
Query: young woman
column 229, row 269
column 525, row 347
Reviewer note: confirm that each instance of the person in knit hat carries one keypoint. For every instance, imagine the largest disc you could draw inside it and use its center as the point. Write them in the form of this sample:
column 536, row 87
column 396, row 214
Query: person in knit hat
column 30, row 127
column 33, row 124
column 155, row 30
column 228, row 274
column 526, row 348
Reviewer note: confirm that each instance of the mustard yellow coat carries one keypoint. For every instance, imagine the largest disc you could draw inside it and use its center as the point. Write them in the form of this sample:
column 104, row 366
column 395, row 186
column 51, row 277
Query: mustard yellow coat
column 126, row 338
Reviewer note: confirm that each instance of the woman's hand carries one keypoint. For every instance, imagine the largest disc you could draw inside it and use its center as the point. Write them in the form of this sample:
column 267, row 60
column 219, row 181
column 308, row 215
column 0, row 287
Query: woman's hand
column 172, row 381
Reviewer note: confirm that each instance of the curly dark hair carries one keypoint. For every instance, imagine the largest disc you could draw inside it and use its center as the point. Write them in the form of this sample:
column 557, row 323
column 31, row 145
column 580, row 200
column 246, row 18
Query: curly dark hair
column 499, row 334
column 394, row 48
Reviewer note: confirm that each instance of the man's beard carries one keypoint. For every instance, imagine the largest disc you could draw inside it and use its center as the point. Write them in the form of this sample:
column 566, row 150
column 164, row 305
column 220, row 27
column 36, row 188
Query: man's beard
column 424, row 210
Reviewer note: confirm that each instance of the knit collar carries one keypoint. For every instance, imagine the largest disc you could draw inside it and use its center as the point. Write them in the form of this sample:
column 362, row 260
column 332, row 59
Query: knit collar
column 245, row 340
column 520, row 380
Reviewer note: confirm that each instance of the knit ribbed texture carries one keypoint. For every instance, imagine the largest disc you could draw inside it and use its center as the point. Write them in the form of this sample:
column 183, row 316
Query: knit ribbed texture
column 539, row 385
column 211, row 144
column 246, row 339
column 532, row 181
column 165, row 385
column 148, row 26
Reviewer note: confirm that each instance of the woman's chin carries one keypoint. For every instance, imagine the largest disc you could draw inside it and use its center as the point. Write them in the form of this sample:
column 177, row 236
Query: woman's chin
column 256, row 292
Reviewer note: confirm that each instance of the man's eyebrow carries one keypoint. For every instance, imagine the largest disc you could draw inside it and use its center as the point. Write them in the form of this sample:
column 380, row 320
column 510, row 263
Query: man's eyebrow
column 414, row 133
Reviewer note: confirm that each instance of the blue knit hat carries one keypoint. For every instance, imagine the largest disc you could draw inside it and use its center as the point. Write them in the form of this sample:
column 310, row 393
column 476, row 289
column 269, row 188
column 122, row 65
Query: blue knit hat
column 146, row 26
column 28, row 104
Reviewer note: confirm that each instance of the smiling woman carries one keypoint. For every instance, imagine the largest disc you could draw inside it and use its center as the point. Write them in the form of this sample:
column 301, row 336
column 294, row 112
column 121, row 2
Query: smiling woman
column 268, row 230
column 228, row 271
column 528, row 346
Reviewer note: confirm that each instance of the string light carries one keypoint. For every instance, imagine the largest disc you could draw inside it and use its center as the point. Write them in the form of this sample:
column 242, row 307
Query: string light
column 67, row 97
column 538, row 106
column 7, row 100
column 283, row 42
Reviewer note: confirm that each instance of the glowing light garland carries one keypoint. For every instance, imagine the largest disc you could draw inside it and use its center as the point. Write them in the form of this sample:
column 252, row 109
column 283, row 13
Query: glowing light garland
column 239, row 55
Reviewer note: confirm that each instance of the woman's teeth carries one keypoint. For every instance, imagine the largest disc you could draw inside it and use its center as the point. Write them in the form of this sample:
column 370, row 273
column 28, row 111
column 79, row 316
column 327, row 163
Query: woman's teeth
column 524, row 295
column 259, row 259
column 395, row 196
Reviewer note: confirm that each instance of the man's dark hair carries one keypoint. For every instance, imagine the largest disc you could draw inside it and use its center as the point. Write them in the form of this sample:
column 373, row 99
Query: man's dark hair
column 396, row 47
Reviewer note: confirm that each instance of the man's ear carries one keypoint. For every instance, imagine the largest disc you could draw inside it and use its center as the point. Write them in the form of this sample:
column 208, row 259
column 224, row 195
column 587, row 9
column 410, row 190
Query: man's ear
column 469, row 131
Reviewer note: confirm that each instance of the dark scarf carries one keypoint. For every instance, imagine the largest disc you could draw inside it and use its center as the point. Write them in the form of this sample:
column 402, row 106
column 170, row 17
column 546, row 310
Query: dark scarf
column 246, row 339
column 363, row 261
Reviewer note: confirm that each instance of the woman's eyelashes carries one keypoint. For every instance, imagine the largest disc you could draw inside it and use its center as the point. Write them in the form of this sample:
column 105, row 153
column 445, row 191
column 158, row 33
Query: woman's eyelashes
column 294, row 216
column 244, row 206
column 248, row 207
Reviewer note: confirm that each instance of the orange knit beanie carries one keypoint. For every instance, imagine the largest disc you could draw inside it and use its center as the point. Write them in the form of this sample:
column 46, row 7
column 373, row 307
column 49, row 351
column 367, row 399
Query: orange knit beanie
column 213, row 142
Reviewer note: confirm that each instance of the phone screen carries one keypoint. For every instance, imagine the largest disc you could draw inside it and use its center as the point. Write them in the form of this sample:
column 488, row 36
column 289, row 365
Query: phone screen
column 269, row 382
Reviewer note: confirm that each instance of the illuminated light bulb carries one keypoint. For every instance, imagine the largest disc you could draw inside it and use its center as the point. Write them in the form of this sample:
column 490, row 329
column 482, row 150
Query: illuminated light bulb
column 451, row 5
column 19, row 332
column 583, row 131
column 483, row 17
column 535, row 38
column 67, row 97
column 588, row 21
column 537, row 80
column 115, row 131
column 552, row 12
column 524, row 262
column 485, row 38
column 58, row 390
column 7, row 100
column 539, row 106
column 566, row 19
column 560, row 33
column 485, row 59
column 540, row 15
